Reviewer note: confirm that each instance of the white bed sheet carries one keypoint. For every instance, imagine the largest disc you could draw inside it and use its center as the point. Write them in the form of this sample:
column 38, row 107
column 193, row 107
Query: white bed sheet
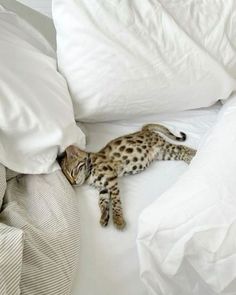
column 108, row 258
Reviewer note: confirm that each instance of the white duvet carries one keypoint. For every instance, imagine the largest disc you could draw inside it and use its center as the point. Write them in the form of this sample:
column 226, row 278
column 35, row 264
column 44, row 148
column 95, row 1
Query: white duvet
column 187, row 238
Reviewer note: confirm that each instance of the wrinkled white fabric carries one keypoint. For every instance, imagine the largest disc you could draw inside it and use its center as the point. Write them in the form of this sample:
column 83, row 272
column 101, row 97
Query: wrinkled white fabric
column 36, row 112
column 123, row 59
column 186, row 239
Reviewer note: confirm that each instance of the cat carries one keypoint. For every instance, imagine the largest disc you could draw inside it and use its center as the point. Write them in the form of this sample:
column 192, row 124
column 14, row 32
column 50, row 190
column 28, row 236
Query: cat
column 128, row 154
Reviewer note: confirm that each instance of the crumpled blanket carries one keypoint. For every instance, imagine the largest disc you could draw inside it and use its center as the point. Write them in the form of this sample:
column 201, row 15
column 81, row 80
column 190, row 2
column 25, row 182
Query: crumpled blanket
column 39, row 234
column 187, row 237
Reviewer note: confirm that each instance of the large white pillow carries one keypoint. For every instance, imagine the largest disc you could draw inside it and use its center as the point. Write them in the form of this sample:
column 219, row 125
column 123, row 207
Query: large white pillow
column 128, row 58
column 36, row 112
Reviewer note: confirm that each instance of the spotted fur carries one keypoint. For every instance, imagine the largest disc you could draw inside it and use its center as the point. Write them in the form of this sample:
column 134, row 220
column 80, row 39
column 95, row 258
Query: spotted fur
column 129, row 154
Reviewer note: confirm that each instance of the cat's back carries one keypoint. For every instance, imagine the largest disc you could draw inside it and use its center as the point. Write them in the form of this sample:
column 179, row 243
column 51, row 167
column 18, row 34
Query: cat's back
column 131, row 152
column 126, row 144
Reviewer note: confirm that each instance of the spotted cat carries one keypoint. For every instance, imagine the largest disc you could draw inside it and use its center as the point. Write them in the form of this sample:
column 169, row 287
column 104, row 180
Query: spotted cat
column 129, row 154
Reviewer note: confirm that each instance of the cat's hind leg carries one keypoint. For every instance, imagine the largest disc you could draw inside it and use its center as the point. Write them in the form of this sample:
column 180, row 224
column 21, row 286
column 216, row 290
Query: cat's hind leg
column 188, row 155
column 176, row 152
column 104, row 202
column 117, row 212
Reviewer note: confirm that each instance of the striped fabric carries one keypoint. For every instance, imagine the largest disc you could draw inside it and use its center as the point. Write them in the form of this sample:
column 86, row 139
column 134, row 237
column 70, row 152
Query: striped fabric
column 39, row 235
column 11, row 245
column 2, row 183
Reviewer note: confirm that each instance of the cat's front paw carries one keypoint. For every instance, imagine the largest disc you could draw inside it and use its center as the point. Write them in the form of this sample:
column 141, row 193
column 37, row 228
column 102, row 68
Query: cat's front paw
column 119, row 222
column 104, row 219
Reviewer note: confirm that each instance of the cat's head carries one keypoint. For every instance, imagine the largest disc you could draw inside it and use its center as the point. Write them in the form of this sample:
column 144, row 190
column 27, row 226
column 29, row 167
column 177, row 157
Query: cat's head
column 74, row 165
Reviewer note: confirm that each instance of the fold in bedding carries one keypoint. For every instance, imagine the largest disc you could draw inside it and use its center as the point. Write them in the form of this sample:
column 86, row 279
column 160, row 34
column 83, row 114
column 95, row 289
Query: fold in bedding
column 39, row 235
column 186, row 238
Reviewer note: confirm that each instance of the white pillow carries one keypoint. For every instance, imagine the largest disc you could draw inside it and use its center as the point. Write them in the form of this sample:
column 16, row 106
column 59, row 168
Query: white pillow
column 128, row 58
column 36, row 112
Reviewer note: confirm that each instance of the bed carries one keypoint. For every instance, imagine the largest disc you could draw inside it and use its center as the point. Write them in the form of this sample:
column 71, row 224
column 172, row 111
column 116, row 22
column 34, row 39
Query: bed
column 165, row 248
column 108, row 258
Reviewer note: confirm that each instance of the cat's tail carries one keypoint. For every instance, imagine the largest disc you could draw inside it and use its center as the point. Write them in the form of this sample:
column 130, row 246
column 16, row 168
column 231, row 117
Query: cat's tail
column 165, row 131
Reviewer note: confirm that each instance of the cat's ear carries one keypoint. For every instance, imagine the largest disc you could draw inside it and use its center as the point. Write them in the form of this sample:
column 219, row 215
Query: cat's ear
column 74, row 152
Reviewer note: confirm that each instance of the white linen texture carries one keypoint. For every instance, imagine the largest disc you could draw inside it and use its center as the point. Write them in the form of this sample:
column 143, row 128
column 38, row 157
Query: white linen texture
column 123, row 59
column 36, row 112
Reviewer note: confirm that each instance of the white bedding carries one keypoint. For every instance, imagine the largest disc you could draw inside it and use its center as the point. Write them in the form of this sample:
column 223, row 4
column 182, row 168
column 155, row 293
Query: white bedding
column 126, row 59
column 41, row 22
column 108, row 258
column 186, row 238
column 39, row 221
column 36, row 110
column 43, row 6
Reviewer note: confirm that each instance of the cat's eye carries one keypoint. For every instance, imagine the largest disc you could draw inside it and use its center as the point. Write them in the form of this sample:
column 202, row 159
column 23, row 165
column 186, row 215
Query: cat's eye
column 80, row 165
column 77, row 169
